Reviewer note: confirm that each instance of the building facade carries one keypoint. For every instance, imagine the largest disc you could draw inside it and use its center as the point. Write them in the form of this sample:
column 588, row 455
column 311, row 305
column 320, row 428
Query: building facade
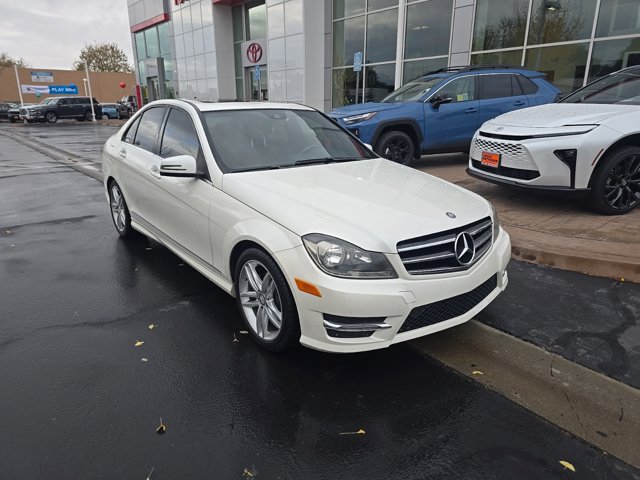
column 303, row 50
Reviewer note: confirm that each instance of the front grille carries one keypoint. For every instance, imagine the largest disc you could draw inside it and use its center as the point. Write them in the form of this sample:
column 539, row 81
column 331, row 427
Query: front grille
column 435, row 253
column 511, row 149
column 518, row 173
column 448, row 308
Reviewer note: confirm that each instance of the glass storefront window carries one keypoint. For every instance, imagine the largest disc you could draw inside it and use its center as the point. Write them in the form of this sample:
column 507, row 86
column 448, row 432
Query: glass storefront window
column 346, row 8
column 380, row 81
column 378, row 4
column 236, row 14
column 500, row 24
column 418, row 68
column 239, row 89
column 344, row 87
column 382, row 33
column 555, row 21
column 153, row 47
column 237, row 57
column 141, row 50
column 256, row 21
column 428, row 29
column 564, row 64
column 611, row 55
column 348, row 38
column 142, row 73
column 618, row 17
column 509, row 57
column 165, row 39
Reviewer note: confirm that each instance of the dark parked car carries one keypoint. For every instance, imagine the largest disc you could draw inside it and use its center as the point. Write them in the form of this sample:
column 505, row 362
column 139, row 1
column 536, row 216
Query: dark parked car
column 4, row 109
column 52, row 108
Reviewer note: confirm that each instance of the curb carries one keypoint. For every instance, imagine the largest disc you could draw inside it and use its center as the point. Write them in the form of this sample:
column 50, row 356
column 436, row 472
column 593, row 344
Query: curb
column 599, row 410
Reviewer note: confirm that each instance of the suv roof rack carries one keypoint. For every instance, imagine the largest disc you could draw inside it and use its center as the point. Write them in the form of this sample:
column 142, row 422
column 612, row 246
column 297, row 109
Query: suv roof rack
column 467, row 68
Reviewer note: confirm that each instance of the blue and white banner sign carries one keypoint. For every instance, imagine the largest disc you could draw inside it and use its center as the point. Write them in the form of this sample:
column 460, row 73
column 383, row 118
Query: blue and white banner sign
column 50, row 89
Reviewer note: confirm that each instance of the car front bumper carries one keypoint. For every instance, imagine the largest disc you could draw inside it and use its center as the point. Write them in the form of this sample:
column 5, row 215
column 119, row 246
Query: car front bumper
column 382, row 306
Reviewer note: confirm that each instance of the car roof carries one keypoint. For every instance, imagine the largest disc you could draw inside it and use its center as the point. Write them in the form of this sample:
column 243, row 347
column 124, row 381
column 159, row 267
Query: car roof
column 451, row 71
column 220, row 106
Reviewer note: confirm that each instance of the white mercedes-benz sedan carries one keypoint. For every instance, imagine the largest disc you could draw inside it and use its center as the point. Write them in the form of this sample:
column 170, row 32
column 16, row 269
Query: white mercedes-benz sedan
column 320, row 241
column 589, row 141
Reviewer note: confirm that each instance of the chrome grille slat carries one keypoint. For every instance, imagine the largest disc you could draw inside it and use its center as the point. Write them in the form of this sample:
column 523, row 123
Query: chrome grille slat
column 435, row 253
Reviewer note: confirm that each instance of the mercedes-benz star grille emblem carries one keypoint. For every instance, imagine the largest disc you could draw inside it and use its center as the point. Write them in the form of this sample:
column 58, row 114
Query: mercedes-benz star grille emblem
column 464, row 248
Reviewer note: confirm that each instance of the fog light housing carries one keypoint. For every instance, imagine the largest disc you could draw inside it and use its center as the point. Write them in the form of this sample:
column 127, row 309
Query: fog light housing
column 569, row 157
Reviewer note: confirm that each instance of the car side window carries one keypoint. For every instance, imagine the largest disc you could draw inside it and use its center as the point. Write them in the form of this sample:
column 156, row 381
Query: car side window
column 180, row 138
column 516, row 90
column 495, row 86
column 460, row 90
column 63, row 102
column 528, row 87
column 147, row 134
column 130, row 135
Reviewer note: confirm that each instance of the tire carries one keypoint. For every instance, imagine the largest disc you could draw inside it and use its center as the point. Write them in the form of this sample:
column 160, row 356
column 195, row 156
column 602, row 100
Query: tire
column 396, row 146
column 51, row 117
column 119, row 211
column 274, row 303
column 615, row 187
column 105, row 116
column 88, row 116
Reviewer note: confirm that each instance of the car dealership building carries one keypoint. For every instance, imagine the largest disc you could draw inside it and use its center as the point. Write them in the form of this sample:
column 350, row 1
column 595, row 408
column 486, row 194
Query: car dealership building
column 303, row 50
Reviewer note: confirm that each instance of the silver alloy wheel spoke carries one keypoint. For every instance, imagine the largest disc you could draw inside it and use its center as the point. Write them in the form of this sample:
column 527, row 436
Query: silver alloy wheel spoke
column 260, row 300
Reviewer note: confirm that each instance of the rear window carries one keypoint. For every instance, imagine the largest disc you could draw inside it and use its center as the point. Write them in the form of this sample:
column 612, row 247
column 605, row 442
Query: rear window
column 528, row 87
column 495, row 86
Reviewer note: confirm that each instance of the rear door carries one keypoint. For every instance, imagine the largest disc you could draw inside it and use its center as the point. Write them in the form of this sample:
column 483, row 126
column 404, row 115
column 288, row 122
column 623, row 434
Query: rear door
column 499, row 93
column 181, row 209
column 64, row 108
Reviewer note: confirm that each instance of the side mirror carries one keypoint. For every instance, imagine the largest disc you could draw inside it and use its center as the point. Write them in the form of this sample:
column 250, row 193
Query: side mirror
column 183, row 166
column 440, row 99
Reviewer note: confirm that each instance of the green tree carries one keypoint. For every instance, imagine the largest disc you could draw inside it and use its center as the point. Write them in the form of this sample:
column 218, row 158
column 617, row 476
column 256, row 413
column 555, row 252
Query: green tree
column 103, row 57
column 8, row 61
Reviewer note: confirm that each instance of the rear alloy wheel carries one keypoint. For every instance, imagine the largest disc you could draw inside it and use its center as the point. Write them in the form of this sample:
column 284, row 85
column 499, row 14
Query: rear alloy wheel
column 119, row 211
column 51, row 117
column 265, row 301
column 616, row 185
column 396, row 146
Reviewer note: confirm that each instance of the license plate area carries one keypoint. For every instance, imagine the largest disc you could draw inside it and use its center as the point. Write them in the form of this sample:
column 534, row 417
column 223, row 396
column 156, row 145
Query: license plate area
column 490, row 159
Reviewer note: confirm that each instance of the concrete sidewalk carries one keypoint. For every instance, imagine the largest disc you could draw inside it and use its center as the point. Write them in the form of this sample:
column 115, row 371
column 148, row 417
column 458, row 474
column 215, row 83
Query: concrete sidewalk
column 552, row 229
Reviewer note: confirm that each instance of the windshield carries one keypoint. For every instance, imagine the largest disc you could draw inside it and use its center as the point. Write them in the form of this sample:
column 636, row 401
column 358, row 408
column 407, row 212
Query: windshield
column 412, row 90
column 621, row 88
column 46, row 101
column 269, row 138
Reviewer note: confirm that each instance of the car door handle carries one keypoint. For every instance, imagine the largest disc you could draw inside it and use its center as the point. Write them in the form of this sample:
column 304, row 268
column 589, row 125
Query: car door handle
column 471, row 110
column 123, row 153
column 519, row 103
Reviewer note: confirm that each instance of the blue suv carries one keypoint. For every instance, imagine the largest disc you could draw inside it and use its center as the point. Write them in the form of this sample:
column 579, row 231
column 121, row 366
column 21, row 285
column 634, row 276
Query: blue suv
column 441, row 111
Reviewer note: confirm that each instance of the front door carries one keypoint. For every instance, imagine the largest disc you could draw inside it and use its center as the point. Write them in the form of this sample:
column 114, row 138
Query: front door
column 256, row 89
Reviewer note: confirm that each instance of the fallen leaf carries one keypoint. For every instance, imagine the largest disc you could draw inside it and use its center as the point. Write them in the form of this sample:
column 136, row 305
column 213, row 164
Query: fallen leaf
column 250, row 472
column 161, row 429
column 150, row 473
column 244, row 332
column 567, row 465
column 235, row 340
column 477, row 372
column 359, row 432
column 138, row 343
column 622, row 279
column 8, row 231
column 152, row 326
column 144, row 359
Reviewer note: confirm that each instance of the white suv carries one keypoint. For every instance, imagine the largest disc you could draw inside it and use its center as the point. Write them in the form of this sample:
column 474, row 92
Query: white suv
column 319, row 240
column 589, row 141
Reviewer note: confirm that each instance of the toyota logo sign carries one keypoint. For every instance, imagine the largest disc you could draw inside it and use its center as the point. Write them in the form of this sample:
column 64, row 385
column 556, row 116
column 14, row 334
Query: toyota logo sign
column 254, row 52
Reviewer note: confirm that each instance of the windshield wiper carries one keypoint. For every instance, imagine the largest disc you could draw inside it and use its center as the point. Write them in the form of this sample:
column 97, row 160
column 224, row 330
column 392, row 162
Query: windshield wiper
column 315, row 161
column 254, row 169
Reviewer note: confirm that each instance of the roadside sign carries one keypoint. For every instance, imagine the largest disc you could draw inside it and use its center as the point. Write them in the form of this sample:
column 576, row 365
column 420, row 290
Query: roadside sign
column 357, row 61
column 257, row 72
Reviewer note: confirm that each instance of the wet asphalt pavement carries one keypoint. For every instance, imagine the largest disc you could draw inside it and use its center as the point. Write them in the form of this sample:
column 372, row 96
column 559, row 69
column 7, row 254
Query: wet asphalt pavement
column 78, row 401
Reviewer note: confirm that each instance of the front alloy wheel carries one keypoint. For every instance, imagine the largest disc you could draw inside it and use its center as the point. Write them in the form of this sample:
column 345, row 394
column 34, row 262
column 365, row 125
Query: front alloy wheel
column 265, row 301
column 396, row 146
column 51, row 117
column 616, row 186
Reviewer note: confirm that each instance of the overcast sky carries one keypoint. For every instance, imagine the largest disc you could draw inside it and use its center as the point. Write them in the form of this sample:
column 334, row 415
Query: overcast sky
column 51, row 33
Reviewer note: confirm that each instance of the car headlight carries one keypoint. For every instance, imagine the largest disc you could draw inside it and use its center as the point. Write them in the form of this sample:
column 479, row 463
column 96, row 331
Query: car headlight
column 359, row 118
column 496, row 222
column 343, row 259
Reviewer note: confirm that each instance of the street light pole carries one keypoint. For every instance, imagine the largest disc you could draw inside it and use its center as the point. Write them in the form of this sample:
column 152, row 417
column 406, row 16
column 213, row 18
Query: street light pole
column 84, row 80
column 93, row 112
